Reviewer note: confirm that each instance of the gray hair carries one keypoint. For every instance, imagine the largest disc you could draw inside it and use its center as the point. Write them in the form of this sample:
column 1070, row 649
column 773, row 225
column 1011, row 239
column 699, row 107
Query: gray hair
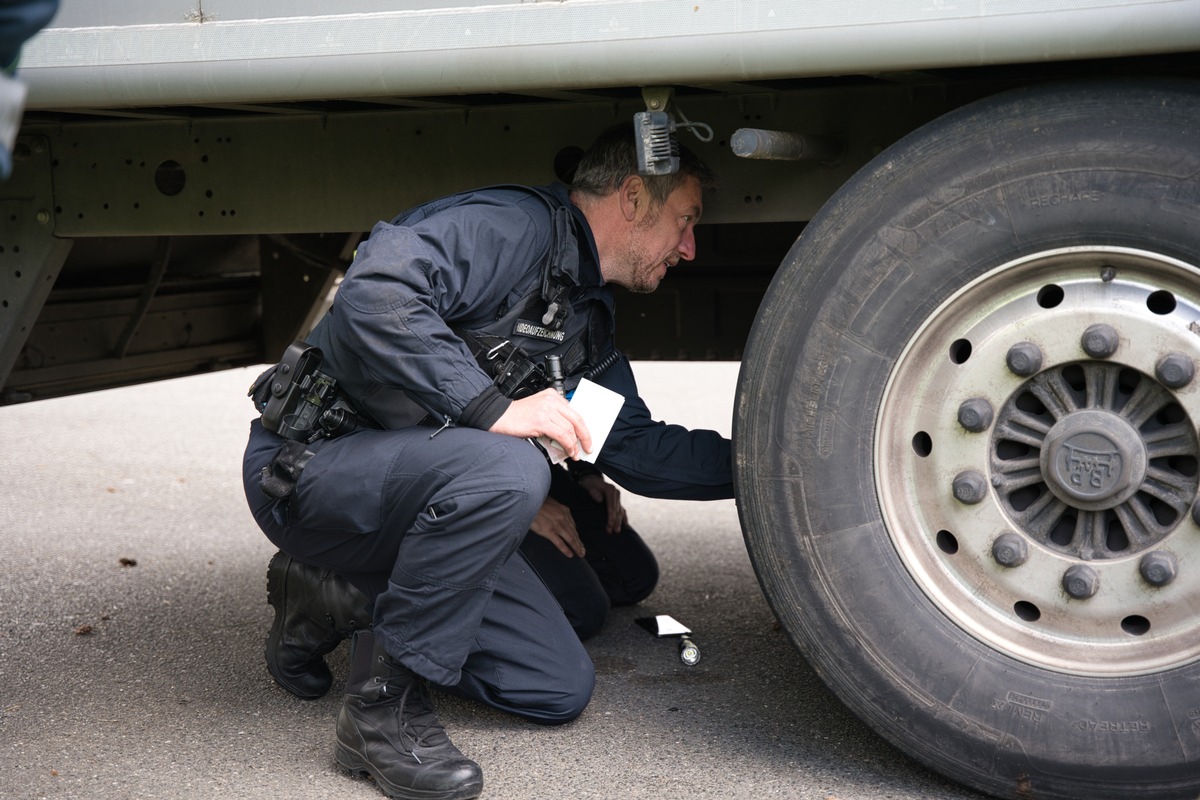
column 613, row 157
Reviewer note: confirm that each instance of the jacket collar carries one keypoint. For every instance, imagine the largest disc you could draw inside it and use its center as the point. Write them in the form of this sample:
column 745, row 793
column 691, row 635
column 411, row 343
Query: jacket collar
column 589, row 256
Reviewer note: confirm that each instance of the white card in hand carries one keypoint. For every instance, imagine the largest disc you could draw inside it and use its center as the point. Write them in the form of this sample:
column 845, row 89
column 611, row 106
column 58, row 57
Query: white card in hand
column 599, row 408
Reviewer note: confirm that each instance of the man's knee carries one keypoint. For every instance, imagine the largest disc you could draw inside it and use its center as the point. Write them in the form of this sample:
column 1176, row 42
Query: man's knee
column 562, row 699
column 586, row 611
column 641, row 577
column 549, row 697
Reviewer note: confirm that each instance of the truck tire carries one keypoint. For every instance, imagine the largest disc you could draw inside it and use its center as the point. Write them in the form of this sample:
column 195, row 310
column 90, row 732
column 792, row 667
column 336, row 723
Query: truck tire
column 966, row 450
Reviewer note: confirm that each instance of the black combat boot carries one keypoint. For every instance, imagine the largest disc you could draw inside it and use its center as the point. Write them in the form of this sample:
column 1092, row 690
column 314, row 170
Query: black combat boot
column 388, row 729
column 315, row 609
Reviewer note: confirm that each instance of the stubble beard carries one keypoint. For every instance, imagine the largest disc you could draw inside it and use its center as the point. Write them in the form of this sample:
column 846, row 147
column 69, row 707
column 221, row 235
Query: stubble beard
column 643, row 278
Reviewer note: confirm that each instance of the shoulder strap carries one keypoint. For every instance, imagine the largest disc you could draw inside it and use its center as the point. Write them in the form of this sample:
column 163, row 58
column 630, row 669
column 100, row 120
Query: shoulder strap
column 560, row 272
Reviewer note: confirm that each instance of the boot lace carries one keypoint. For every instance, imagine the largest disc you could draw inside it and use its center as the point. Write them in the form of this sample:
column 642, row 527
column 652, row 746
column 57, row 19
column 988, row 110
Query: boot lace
column 416, row 715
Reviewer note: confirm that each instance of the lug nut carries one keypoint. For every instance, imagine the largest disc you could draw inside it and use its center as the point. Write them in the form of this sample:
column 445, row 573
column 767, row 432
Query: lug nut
column 1024, row 358
column 1158, row 568
column 1010, row 550
column 969, row 487
column 975, row 414
column 1081, row 581
column 1175, row 370
column 1100, row 340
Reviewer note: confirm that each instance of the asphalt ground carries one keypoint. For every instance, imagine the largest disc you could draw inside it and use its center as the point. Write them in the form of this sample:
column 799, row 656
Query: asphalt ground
column 133, row 614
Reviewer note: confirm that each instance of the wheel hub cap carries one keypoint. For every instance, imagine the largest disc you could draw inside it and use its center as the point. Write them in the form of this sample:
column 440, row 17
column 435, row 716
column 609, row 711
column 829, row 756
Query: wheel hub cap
column 1093, row 460
column 1037, row 460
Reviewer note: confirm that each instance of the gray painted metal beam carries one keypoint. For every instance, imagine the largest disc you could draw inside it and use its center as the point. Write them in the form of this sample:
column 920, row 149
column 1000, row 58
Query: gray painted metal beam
column 104, row 61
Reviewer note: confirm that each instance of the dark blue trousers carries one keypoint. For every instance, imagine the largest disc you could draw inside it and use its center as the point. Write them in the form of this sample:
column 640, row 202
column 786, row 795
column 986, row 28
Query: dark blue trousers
column 430, row 527
column 617, row 570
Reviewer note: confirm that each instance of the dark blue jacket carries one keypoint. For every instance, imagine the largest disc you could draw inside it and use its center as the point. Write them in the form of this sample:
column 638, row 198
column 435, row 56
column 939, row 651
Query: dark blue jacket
column 476, row 262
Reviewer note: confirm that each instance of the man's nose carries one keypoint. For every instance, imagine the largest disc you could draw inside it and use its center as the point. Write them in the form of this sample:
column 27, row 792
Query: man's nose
column 687, row 247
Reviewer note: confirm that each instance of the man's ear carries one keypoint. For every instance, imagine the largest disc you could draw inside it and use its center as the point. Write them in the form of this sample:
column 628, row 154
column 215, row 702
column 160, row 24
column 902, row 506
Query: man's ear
column 632, row 196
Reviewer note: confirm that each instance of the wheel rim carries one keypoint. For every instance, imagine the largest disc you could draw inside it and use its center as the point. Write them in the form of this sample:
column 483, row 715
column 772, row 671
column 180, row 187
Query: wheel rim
column 1036, row 460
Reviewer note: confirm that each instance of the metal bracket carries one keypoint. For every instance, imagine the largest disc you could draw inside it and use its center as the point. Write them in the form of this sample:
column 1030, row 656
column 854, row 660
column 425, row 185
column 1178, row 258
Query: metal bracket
column 162, row 259
column 657, row 98
column 294, row 292
column 30, row 255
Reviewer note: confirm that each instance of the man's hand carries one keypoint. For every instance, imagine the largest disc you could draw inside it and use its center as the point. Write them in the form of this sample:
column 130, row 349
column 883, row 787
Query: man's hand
column 554, row 522
column 602, row 491
column 548, row 414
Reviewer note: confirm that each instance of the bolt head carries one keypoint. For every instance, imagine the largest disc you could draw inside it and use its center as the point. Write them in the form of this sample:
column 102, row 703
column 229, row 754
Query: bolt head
column 1081, row 582
column 975, row 414
column 1010, row 550
column 1024, row 358
column 1159, row 567
column 1175, row 370
column 969, row 487
column 1100, row 340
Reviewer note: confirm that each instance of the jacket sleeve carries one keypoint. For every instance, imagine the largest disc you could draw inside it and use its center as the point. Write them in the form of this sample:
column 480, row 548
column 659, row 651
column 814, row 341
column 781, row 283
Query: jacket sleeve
column 655, row 459
column 406, row 287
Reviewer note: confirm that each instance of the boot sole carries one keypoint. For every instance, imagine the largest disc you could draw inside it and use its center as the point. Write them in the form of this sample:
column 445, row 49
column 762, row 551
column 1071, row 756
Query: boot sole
column 277, row 598
column 358, row 765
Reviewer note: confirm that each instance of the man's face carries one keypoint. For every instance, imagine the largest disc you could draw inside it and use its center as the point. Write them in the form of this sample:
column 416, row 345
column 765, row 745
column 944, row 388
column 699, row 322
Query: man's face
column 659, row 237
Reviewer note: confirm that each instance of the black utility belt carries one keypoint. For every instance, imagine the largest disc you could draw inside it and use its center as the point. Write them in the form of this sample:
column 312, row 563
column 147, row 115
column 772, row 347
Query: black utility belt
column 301, row 403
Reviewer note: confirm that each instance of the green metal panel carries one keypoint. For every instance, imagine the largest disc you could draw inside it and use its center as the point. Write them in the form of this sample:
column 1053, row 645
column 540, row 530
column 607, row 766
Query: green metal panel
column 344, row 172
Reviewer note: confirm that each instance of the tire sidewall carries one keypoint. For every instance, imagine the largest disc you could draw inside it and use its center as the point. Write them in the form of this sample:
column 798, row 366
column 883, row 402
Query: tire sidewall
column 1010, row 176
